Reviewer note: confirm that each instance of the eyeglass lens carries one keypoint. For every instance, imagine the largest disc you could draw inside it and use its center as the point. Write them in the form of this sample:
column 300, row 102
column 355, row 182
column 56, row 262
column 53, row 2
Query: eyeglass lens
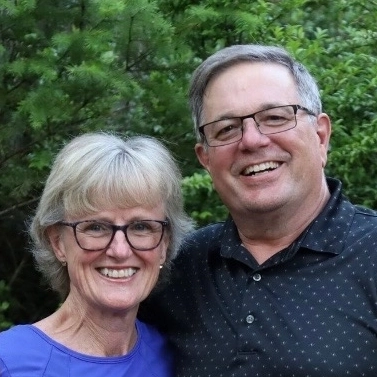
column 141, row 235
column 269, row 121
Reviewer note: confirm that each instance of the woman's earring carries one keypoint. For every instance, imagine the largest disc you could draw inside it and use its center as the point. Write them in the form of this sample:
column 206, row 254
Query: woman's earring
column 64, row 263
column 161, row 265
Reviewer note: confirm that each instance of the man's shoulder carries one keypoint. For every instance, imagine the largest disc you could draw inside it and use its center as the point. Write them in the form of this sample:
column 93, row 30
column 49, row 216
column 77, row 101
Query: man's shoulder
column 364, row 221
column 199, row 243
column 205, row 234
column 367, row 212
column 357, row 222
column 345, row 205
column 212, row 230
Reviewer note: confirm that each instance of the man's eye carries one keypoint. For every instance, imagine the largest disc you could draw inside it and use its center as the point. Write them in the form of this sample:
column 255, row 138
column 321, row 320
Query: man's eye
column 226, row 128
column 274, row 118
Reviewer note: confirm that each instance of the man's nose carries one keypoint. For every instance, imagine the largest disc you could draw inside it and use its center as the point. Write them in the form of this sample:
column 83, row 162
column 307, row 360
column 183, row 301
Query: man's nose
column 251, row 136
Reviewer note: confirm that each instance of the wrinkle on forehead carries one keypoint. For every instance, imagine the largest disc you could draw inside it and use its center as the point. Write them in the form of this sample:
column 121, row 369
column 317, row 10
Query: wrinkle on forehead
column 246, row 88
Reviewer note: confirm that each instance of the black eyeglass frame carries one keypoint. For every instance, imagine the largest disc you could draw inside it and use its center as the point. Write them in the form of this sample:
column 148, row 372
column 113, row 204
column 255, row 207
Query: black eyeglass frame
column 115, row 228
column 242, row 118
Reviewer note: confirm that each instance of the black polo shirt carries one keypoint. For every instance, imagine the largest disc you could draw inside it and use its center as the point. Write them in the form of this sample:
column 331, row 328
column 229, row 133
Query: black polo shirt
column 310, row 310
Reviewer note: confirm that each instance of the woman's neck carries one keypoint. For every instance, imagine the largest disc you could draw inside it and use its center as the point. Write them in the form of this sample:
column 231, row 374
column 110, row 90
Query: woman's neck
column 91, row 331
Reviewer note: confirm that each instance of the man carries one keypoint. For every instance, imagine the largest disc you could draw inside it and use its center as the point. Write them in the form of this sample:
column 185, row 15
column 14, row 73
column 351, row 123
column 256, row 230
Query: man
column 286, row 286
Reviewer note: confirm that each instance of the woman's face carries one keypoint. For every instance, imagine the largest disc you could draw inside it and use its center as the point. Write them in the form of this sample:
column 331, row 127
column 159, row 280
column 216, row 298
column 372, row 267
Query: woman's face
column 116, row 278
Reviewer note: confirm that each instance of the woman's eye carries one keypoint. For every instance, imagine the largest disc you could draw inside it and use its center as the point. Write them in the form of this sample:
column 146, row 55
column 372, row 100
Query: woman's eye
column 140, row 227
column 95, row 227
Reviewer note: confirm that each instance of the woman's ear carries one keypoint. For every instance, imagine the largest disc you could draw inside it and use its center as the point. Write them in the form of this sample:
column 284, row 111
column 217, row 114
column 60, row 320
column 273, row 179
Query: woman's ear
column 54, row 234
column 164, row 253
column 165, row 245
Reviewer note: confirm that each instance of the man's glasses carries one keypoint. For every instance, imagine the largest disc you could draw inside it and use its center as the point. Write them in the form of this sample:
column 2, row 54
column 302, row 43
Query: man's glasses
column 143, row 235
column 270, row 121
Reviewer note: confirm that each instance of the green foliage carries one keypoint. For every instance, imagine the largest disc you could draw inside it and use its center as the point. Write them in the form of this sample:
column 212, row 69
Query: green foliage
column 68, row 67
column 4, row 305
column 202, row 201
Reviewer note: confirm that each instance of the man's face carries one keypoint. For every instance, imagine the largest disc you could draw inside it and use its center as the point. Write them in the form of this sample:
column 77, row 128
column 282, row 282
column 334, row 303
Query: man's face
column 263, row 173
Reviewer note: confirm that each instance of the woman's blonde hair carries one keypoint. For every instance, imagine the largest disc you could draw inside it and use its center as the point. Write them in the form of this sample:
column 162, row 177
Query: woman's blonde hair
column 99, row 171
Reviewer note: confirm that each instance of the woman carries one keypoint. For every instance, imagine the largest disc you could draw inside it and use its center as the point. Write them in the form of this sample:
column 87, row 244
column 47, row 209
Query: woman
column 109, row 222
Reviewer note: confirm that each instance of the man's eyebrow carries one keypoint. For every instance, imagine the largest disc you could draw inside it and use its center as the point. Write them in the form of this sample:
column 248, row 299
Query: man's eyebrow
column 262, row 107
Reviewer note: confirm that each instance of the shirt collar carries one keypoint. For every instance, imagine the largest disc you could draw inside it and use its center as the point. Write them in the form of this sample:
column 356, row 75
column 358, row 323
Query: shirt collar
column 325, row 234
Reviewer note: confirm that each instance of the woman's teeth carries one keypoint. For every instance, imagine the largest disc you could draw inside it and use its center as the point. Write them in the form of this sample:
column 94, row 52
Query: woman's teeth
column 112, row 273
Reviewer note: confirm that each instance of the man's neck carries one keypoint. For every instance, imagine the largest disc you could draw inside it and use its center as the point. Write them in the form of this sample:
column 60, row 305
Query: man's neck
column 266, row 234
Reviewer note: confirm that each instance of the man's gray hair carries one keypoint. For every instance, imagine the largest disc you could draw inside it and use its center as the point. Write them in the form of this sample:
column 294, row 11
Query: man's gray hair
column 307, row 88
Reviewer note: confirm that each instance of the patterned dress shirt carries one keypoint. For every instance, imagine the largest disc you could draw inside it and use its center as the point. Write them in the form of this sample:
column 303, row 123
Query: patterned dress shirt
column 308, row 311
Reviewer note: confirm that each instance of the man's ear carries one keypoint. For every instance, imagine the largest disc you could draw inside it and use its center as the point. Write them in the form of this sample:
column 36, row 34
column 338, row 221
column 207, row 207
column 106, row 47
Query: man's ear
column 202, row 155
column 324, row 133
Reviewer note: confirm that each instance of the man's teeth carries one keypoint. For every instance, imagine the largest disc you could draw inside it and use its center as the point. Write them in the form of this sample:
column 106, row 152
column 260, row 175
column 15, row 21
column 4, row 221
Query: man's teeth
column 111, row 273
column 261, row 167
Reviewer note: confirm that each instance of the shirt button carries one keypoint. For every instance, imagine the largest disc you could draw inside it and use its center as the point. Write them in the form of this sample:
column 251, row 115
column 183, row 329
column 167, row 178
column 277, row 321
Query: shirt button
column 250, row 318
column 257, row 277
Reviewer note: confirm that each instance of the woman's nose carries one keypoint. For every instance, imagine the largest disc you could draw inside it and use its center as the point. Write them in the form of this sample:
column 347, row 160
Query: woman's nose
column 119, row 247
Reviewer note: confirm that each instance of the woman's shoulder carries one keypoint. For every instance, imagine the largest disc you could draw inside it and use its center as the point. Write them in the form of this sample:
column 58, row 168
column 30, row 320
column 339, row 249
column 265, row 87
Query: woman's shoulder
column 21, row 346
column 26, row 348
column 19, row 336
column 154, row 349
column 150, row 335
